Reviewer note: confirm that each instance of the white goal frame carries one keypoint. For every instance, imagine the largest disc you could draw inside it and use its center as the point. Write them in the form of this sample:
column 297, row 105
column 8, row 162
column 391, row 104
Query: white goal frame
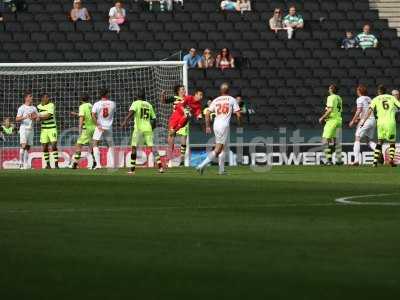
column 25, row 69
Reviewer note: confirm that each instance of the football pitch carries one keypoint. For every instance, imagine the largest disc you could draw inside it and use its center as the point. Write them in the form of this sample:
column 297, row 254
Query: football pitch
column 279, row 234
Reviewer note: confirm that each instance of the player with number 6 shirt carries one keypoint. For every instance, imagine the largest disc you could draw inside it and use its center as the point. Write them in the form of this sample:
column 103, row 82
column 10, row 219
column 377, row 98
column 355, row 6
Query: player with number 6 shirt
column 385, row 107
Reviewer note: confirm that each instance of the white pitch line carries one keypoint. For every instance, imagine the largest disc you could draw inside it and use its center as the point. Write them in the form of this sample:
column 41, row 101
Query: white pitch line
column 343, row 200
column 166, row 208
column 349, row 200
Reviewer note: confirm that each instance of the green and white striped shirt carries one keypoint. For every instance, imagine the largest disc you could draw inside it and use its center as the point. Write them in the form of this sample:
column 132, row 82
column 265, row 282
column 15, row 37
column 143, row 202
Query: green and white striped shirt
column 367, row 40
column 293, row 20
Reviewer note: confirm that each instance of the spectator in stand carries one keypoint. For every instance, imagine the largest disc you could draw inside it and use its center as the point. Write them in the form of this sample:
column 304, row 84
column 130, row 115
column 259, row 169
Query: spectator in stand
column 243, row 5
column 117, row 16
column 192, row 59
column 1, row 17
column 276, row 22
column 207, row 60
column 350, row 41
column 293, row 22
column 367, row 40
column 228, row 5
column 225, row 60
column 396, row 94
column 79, row 13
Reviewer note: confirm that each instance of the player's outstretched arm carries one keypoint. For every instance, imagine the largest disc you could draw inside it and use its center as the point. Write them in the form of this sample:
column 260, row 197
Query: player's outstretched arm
column 370, row 111
column 94, row 117
column 20, row 118
column 74, row 114
column 81, row 122
column 355, row 117
column 45, row 116
column 127, row 118
column 239, row 118
column 327, row 113
column 208, row 122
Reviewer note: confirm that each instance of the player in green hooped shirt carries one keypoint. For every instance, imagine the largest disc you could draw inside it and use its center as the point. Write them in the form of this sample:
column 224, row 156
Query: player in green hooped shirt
column 333, row 123
column 7, row 128
column 86, row 130
column 144, row 118
column 384, row 106
column 48, row 132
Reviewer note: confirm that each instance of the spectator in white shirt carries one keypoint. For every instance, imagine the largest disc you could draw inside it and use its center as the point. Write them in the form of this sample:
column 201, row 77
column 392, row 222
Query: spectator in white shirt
column 79, row 13
column 225, row 60
column 243, row 5
column 276, row 22
column 117, row 16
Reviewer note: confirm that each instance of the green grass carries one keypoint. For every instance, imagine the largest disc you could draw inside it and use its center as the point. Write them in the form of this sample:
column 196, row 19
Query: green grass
column 273, row 235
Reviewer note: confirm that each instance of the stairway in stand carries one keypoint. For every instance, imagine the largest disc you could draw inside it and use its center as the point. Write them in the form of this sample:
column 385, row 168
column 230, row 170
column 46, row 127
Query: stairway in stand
column 390, row 10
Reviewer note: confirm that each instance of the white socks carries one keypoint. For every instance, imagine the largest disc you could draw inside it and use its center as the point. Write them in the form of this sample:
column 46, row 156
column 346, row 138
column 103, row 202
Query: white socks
column 357, row 147
column 221, row 162
column 21, row 156
column 26, row 158
column 356, row 150
column 111, row 156
column 96, row 153
column 209, row 159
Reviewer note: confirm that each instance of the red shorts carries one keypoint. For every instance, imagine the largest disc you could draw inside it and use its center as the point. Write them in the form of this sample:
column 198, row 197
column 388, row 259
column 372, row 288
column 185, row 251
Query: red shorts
column 177, row 121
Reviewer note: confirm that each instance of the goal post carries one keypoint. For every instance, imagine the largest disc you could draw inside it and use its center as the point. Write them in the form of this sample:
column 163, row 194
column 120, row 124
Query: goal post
column 65, row 83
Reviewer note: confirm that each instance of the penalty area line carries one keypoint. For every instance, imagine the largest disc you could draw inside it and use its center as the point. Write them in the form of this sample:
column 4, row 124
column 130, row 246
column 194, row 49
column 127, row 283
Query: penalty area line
column 351, row 200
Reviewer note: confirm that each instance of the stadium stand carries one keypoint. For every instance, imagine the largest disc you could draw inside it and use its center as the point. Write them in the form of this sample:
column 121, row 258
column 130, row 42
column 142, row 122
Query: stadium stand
column 284, row 80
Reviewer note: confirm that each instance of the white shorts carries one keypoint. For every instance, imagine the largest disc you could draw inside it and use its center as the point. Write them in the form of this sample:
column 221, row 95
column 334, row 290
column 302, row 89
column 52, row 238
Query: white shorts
column 103, row 135
column 368, row 130
column 221, row 135
column 26, row 136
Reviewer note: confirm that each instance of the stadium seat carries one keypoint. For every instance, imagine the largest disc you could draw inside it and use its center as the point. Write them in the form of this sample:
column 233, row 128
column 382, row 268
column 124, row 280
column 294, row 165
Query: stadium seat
column 268, row 64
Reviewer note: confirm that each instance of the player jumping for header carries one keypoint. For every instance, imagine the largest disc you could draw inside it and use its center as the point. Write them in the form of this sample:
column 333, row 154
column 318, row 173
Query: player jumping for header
column 223, row 106
column 48, row 133
column 144, row 118
column 86, row 131
column 367, row 131
column 333, row 123
column 27, row 114
column 184, row 107
column 384, row 106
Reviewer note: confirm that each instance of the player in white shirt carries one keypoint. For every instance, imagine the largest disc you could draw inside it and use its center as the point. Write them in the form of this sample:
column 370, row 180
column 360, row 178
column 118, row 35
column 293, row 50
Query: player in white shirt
column 223, row 107
column 27, row 114
column 103, row 115
column 367, row 131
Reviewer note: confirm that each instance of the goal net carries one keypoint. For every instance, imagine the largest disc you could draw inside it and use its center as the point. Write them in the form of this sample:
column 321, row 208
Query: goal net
column 65, row 83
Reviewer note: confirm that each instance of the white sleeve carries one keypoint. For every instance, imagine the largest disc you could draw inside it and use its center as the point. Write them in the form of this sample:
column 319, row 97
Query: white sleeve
column 112, row 12
column 20, row 112
column 235, row 105
column 35, row 110
column 359, row 102
column 211, row 108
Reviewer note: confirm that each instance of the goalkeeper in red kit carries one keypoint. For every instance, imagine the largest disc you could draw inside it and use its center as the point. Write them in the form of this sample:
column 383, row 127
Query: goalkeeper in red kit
column 184, row 107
